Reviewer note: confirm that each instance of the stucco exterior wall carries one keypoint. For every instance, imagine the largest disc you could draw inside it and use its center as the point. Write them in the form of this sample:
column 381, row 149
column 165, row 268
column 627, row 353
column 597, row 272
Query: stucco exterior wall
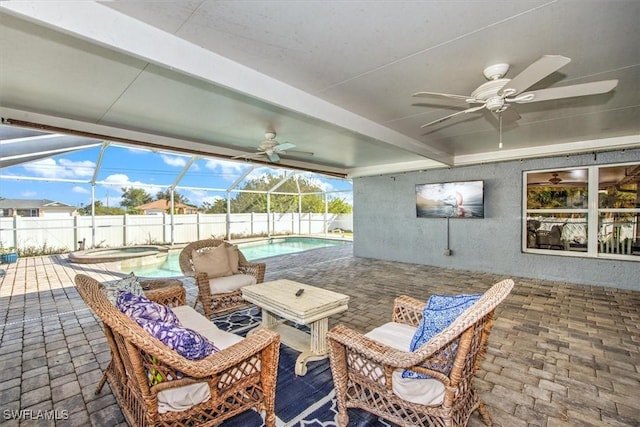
column 386, row 226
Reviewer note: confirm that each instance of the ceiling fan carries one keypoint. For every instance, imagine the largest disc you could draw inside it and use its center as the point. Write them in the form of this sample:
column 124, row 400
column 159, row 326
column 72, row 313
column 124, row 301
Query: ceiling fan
column 272, row 149
column 499, row 93
column 555, row 179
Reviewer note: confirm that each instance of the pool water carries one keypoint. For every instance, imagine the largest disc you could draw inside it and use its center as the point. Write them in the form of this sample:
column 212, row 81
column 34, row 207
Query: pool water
column 251, row 251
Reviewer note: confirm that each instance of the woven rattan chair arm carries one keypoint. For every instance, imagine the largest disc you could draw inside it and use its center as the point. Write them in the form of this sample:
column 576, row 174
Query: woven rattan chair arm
column 172, row 296
column 407, row 310
column 245, row 349
column 202, row 282
column 255, row 269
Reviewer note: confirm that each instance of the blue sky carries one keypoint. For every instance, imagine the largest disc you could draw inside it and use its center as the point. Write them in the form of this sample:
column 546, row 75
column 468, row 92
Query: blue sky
column 128, row 167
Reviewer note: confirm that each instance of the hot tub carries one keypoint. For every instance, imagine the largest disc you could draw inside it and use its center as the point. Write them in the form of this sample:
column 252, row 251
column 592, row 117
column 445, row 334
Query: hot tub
column 128, row 256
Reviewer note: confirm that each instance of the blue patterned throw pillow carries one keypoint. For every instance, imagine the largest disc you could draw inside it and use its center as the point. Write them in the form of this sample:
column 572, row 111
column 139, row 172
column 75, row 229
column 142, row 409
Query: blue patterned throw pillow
column 440, row 312
column 161, row 322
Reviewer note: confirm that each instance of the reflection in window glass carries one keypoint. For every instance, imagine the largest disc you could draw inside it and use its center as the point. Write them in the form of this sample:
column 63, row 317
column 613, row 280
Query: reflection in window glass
column 567, row 232
column 618, row 187
column 557, row 190
column 618, row 200
column 617, row 233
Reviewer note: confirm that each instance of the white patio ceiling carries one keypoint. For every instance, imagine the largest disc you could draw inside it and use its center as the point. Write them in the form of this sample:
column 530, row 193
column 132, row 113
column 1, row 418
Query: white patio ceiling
column 335, row 78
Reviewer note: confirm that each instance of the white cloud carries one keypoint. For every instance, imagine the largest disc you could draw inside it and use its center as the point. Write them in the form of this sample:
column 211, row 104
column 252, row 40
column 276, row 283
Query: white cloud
column 63, row 168
column 116, row 182
column 228, row 170
column 197, row 197
column 118, row 179
column 28, row 194
column 176, row 161
column 80, row 190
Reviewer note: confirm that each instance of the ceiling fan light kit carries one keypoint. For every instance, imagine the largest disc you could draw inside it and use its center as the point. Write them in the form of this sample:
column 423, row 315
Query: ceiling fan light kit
column 496, row 71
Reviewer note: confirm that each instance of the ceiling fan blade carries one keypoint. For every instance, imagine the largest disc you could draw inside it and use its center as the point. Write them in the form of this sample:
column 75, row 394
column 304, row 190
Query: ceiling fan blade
column 248, row 156
column 468, row 110
column 583, row 89
column 443, row 95
column 299, row 153
column 284, row 146
column 273, row 157
column 533, row 74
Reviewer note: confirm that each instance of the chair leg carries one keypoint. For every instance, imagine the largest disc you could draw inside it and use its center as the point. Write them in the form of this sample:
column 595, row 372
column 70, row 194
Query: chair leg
column 343, row 418
column 103, row 379
column 484, row 414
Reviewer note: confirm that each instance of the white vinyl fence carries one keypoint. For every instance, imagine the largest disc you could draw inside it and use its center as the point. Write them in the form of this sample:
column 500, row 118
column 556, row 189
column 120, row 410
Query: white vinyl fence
column 125, row 230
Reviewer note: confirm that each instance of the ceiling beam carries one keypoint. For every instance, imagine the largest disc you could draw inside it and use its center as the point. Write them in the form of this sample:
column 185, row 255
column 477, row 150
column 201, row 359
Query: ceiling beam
column 95, row 23
column 47, row 123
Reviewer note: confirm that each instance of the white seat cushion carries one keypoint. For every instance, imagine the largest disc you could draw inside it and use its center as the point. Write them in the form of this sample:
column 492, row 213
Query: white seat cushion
column 190, row 318
column 221, row 285
column 421, row 391
column 182, row 398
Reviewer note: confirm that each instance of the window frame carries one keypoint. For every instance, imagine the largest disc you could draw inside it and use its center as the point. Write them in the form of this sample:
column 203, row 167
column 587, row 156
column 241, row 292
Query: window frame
column 592, row 213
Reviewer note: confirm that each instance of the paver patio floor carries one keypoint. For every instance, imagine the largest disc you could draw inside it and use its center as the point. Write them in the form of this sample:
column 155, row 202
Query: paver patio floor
column 560, row 354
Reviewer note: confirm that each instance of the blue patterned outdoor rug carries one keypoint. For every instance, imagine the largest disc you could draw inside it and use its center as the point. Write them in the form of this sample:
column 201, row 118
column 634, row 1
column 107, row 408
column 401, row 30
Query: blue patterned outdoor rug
column 306, row 401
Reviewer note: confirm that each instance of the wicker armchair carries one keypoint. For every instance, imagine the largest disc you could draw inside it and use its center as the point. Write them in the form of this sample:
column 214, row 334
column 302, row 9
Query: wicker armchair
column 143, row 370
column 367, row 372
column 214, row 302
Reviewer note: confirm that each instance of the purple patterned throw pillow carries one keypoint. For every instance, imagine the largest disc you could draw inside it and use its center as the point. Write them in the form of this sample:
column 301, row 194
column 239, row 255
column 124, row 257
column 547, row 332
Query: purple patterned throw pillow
column 440, row 312
column 185, row 341
column 140, row 307
column 161, row 322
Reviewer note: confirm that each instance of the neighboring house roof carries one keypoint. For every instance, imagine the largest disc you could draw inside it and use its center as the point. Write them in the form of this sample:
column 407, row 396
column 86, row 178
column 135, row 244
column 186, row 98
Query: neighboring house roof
column 32, row 204
column 163, row 205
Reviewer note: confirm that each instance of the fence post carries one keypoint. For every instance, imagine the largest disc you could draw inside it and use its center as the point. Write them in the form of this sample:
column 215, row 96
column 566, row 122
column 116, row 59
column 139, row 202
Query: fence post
column 76, row 236
column 15, row 232
column 198, row 218
column 124, row 230
column 164, row 227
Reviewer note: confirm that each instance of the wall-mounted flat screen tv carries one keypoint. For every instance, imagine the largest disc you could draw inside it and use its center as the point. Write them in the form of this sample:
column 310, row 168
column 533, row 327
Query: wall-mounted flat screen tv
column 463, row 199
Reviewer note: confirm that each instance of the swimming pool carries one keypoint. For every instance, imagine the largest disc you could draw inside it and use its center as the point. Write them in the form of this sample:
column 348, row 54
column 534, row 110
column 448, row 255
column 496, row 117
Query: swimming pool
column 252, row 251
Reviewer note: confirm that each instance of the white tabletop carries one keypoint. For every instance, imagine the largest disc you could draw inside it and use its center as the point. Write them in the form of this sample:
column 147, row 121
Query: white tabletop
column 279, row 297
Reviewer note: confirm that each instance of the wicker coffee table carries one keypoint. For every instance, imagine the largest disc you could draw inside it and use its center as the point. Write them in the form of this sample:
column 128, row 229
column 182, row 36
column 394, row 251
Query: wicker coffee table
column 312, row 307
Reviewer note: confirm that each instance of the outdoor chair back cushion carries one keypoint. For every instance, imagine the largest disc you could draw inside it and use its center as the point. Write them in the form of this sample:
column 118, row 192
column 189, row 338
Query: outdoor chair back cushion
column 213, row 261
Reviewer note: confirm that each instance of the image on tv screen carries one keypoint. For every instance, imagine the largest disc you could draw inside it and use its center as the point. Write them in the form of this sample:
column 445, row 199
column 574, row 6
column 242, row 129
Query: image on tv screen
column 463, row 199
